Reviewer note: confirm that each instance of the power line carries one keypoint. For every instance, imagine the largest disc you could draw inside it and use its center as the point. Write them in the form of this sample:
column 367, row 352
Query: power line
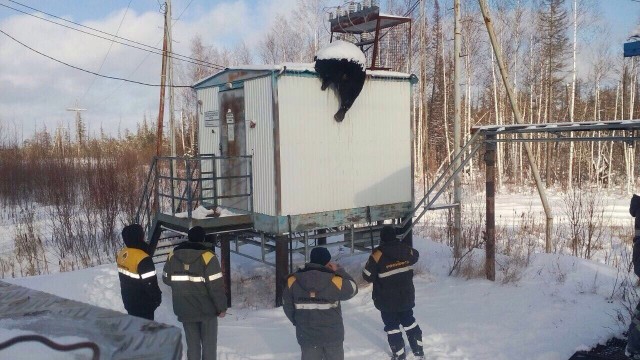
column 108, row 51
column 151, row 49
column 183, row 10
column 147, row 56
column 84, row 70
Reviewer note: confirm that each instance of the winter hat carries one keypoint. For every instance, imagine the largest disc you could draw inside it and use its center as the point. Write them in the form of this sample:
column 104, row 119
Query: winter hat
column 320, row 256
column 388, row 233
column 132, row 234
column 196, row 234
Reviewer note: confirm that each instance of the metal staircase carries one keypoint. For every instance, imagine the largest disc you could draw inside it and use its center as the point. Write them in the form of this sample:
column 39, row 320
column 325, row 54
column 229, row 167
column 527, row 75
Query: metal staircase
column 428, row 202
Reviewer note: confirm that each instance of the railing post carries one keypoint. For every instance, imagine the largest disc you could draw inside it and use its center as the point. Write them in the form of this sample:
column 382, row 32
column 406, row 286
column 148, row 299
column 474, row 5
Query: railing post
column 156, row 181
column 171, row 181
column 215, row 181
column 189, row 197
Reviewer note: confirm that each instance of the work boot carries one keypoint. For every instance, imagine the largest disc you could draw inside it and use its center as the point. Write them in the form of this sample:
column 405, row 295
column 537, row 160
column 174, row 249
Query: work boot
column 398, row 353
column 416, row 345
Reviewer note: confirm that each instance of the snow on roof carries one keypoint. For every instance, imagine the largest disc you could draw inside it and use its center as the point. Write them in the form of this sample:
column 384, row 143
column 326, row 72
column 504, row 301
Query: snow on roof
column 309, row 67
column 288, row 66
column 340, row 49
column 305, row 68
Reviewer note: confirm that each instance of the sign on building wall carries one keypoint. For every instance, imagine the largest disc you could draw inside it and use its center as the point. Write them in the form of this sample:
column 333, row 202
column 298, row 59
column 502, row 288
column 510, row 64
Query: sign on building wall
column 211, row 118
column 230, row 126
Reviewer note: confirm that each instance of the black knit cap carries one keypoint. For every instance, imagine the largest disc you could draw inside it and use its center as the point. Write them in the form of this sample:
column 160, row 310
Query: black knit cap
column 132, row 234
column 320, row 256
column 388, row 234
column 196, row 234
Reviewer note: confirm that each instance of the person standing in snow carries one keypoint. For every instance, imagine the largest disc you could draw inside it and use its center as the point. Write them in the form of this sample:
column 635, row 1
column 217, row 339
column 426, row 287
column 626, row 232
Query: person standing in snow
column 632, row 349
column 312, row 304
column 194, row 275
column 390, row 269
column 137, row 273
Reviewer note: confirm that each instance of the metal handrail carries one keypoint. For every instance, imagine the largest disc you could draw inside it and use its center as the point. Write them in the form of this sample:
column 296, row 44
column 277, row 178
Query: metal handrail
column 467, row 151
column 146, row 192
column 183, row 178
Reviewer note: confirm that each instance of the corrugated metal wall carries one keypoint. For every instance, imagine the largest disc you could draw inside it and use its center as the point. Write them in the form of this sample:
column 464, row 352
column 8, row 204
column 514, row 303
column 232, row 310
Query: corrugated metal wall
column 326, row 165
column 209, row 137
column 259, row 109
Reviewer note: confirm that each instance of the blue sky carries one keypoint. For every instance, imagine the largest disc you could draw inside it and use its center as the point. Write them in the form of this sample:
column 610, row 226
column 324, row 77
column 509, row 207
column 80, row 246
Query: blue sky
column 35, row 92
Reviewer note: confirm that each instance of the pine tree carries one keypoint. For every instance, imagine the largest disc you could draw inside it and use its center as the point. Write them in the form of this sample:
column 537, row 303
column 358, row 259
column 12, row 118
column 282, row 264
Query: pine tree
column 552, row 26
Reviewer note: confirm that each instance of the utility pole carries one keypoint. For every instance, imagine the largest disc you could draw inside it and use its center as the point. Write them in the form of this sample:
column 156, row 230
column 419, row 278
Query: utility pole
column 172, row 125
column 162, row 86
column 518, row 116
column 79, row 125
column 457, row 104
column 172, row 119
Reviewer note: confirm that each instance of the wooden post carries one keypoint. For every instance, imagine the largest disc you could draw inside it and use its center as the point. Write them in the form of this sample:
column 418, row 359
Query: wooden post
column 225, row 264
column 490, row 246
column 282, row 266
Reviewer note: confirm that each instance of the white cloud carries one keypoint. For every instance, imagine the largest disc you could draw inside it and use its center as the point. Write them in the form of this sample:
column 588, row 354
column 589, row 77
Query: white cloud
column 36, row 90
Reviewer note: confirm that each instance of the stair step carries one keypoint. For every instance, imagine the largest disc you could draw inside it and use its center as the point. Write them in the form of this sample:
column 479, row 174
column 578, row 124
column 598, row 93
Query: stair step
column 443, row 206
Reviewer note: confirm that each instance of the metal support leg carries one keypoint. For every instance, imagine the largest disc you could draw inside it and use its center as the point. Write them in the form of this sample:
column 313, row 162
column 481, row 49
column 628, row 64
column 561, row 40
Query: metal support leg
column 282, row 266
column 225, row 257
column 490, row 162
column 352, row 239
column 306, row 247
column 322, row 240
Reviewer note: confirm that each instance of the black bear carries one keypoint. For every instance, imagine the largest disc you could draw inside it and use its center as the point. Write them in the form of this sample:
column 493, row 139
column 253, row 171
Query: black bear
column 346, row 76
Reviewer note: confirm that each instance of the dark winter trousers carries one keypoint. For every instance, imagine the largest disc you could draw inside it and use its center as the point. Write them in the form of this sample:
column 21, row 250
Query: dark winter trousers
column 202, row 339
column 146, row 314
column 323, row 352
column 392, row 322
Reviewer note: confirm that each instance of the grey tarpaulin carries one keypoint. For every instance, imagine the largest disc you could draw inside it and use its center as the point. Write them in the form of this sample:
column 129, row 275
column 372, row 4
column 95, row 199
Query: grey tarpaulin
column 119, row 336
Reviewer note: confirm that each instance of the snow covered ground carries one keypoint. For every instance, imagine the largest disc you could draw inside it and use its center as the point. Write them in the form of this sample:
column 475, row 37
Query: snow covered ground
column 553, row 307
column 559, row 305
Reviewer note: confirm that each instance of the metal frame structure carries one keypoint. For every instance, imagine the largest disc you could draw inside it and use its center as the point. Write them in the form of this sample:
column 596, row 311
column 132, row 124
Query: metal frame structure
column 576, row 131
column 366, row 21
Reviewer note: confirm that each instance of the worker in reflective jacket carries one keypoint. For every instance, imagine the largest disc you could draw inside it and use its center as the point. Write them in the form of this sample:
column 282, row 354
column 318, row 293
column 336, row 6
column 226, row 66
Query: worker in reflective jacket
column 390, row 269
column 312, row 304
column 138, row 283
column 193, row 272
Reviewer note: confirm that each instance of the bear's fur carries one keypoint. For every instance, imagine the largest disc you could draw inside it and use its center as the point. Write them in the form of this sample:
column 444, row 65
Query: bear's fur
column 346, row 77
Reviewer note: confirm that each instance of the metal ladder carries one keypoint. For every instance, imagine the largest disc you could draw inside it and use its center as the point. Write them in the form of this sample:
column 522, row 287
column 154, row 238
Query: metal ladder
column 439, row 186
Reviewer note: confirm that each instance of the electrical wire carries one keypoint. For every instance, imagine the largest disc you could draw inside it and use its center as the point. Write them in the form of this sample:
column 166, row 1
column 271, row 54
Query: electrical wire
column 183, row 10
column 146, row 57
column 150, row 49
column 107, row 54
column 88, row 71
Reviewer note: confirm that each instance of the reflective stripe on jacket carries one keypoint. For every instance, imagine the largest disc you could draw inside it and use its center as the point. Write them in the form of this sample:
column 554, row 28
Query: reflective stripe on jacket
column 193, row 272
column 390, row 269
column 312, row 303
column 138, row 281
